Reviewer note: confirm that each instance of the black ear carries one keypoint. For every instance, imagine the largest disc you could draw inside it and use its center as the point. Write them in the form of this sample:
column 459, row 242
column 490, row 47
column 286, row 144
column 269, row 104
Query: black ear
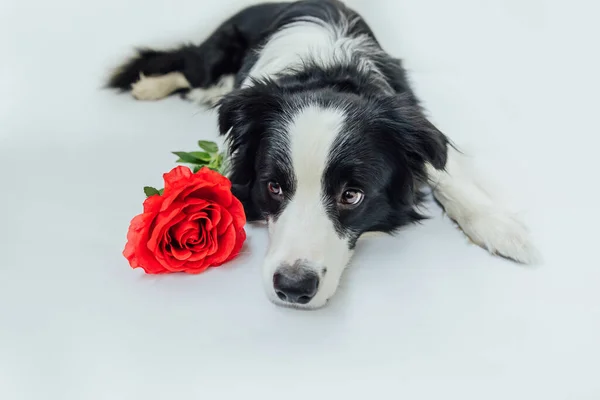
column 408, row 142
column 243, row 117
column 421, row 139
column 433, row 144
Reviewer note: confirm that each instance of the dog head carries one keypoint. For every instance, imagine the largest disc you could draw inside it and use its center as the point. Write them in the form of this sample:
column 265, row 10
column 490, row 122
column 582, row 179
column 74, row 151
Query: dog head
column 322, row 168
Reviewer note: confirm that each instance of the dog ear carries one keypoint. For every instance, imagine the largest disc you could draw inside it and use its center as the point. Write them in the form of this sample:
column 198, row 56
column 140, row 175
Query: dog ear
column 408, row 142
column 433, row 144
column 423, row 142
column 243, row 116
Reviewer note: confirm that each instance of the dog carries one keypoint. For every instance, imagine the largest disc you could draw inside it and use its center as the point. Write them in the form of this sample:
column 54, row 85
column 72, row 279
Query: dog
column 326, row 140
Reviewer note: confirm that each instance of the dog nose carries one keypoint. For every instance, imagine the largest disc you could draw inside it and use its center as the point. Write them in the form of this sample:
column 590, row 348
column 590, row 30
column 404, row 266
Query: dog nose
column 295, row 285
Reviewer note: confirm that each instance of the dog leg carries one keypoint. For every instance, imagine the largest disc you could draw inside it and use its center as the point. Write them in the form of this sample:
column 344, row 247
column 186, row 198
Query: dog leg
column 153, row 74
column 211, row 96
column 486, row 222
column 158, row 87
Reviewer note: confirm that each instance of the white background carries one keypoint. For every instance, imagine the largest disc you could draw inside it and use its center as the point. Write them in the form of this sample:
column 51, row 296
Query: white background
column 423, row 315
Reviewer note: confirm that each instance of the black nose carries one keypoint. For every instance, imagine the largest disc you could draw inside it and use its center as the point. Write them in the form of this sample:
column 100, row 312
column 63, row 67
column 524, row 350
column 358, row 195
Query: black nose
column 295, row 285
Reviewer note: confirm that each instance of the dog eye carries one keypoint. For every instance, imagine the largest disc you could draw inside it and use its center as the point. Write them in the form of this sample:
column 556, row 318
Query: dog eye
column 352, row 197
column 275, row 189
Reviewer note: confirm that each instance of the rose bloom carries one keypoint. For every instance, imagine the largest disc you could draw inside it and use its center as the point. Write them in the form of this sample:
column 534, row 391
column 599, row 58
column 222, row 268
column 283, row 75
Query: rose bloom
column 195, row 224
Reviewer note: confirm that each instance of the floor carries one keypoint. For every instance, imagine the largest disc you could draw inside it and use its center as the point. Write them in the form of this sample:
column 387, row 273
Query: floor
column 422, row 315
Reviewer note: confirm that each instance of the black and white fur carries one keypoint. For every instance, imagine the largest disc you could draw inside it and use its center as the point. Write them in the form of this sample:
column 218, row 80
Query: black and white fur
column 316, row 113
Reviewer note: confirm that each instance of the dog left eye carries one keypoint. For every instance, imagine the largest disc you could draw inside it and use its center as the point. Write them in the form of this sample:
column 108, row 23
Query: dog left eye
column 352, row 197
column 275, row 189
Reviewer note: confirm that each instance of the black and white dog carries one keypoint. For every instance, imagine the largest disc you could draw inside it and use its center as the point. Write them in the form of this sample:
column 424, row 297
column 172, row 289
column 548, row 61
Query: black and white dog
column 326, row 139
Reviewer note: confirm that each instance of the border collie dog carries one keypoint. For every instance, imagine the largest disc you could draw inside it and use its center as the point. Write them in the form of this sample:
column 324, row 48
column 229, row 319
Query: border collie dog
column 326, row 140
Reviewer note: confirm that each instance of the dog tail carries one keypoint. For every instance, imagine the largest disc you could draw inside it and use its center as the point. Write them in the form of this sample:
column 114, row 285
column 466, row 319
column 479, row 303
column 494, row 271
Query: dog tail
column 147, row 62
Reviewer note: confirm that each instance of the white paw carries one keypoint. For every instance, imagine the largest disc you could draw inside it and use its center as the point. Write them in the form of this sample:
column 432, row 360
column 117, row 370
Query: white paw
column 500, row 233
column 211, row 96
column 201, row 97
column 150, row 88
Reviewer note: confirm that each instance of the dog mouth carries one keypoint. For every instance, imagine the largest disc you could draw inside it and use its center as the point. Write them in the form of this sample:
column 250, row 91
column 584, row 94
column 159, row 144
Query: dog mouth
column 298, row 306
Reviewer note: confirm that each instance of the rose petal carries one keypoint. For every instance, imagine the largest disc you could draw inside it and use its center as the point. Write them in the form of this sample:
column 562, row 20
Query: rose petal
column 184, row 228
column 218, row 194
column 180, row 253
column 226, row 220
column 170, row 263
column 176, row 177
column 152, row 204
column 195, row 215
column 190, row 238
column 198, row 188
column 227, row 243
column 206, row 246
column 198, row 256
column 214, row 214
column 162, row 223
column 199, row 251
column 136, row 251
column 236, row 209
column 212, row 243
column 208, row 174
column 240, row 239
column 205, row 224
column 193, row 205
column 160, row 238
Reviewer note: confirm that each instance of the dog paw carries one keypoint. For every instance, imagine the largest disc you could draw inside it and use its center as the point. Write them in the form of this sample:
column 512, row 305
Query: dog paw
column 210, row 96
column 149, row 88
column 501, row 233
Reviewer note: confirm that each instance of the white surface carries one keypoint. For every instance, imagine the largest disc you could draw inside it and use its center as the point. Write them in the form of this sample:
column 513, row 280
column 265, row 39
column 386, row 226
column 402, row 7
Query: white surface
column 422, row 315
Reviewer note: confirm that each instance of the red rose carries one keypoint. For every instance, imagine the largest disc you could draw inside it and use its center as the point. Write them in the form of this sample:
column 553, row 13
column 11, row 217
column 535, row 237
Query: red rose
column 195, row 224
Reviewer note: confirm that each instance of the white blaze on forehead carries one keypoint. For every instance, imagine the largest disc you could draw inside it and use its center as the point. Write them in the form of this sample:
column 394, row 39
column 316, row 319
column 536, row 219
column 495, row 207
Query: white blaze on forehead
column 304, row 230
column 311, row 134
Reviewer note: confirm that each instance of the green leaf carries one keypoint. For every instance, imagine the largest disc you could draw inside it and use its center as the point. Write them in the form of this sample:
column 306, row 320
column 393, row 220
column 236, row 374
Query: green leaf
column 197, row 168
column 150, row 191
column 200, row 155
column 161, row 191
column 216, row 162
column 206, row 145
column 189, row 158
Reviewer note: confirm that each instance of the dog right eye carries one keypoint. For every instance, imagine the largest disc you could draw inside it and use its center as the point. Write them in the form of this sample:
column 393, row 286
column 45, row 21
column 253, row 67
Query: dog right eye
column 275, row 189
column 352, row 198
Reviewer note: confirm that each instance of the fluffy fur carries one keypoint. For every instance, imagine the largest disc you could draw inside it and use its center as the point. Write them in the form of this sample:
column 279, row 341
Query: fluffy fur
column 316, row 114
